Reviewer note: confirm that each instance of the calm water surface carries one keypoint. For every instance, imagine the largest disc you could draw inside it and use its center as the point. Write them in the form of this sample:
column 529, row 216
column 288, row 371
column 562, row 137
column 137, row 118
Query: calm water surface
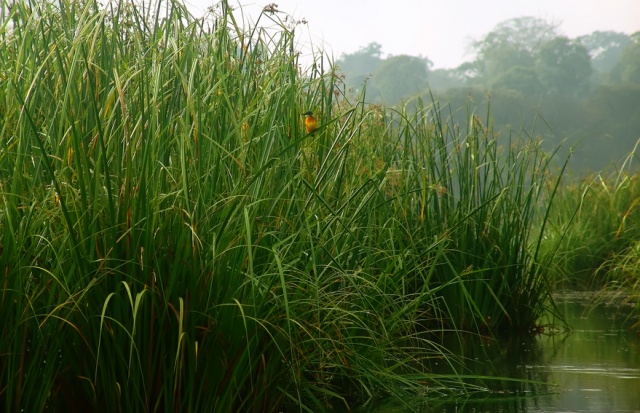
column 595, row 368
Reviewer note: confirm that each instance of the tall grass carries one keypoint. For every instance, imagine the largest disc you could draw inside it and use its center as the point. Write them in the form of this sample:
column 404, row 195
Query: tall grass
column 493, row 215
column 603, row 214
column 172, row 240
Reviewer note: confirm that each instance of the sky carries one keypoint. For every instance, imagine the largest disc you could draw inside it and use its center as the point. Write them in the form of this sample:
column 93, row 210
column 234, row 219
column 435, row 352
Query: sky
column 439, row 30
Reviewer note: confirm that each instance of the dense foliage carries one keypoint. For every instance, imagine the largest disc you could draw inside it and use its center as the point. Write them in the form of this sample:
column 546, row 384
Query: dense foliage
column 172, row 239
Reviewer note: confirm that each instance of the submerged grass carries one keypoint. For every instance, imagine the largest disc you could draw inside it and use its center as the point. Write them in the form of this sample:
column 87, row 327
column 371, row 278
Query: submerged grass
column 172, row 239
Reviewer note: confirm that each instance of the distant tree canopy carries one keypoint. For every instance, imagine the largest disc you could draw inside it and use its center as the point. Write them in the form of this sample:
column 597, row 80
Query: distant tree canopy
column 524, row 34
column 392, row 78
column 584, row 91
column 524, row 80
column 401, row 76
column 564, row 66
column 511, row 44
column 527, row 55
column 627, row 69
column 604, row 48
column 358, row 66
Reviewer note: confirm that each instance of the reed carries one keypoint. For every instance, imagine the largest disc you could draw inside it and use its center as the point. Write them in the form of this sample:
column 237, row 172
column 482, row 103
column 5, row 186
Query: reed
column 595, row 219
column 172, row 239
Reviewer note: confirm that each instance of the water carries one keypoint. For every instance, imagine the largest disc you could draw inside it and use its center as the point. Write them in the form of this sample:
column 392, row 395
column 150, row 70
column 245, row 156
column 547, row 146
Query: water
column 595, row 368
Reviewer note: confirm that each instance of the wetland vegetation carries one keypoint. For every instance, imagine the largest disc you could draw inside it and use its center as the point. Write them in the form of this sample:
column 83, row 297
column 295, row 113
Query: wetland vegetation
column 173, row 240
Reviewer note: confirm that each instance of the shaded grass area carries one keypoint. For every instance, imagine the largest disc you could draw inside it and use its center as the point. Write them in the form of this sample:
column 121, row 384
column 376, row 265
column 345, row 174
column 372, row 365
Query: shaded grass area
column 172, row 239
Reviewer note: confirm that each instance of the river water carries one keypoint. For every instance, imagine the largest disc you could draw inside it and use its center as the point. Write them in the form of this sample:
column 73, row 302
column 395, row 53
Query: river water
column 593, row 368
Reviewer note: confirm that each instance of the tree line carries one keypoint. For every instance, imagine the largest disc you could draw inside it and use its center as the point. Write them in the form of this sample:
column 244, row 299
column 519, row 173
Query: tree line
column 583, row 93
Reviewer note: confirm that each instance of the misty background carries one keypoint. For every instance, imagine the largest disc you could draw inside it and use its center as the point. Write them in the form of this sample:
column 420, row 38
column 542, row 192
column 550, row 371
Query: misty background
column 583, row 92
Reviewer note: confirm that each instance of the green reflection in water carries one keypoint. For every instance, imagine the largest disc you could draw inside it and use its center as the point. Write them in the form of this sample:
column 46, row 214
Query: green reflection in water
column 595, row 368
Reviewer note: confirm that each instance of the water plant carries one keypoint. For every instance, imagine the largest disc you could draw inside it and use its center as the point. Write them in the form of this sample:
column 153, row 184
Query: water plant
column 594, row 219
column 174, row 240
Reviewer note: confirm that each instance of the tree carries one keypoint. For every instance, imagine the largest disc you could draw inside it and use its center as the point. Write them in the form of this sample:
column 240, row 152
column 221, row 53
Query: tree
column 358, row 66
column 613, row 115
column 564, row 66
column 627, row 70
column 520, row 79
column 524, row 33
column 605, row 48
column 511, row 43
column 614, row 109
column 440, row 80
column 401, row 76
column 502, row 59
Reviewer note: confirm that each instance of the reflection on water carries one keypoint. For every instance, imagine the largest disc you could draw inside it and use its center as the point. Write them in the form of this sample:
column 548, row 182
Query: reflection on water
column 595, row 368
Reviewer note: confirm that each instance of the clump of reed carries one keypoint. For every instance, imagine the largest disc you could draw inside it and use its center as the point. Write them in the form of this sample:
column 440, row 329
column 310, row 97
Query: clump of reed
column 172, row 239
column 594, row 221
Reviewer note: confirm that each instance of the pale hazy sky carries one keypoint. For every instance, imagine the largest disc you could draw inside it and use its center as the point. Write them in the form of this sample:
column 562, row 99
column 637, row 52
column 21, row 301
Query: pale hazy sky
column 440, row 30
